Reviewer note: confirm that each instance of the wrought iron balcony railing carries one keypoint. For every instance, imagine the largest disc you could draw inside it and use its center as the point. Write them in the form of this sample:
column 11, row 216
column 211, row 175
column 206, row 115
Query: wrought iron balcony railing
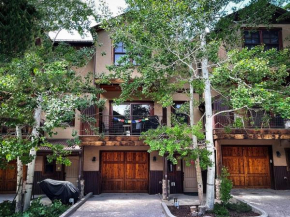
column 118, row 125
column 252, row 120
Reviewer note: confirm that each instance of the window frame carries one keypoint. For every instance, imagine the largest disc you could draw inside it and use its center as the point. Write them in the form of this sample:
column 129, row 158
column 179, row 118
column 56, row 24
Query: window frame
column 260, row 31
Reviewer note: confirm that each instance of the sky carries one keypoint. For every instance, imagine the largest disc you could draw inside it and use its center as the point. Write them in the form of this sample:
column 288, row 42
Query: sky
column 114, row 6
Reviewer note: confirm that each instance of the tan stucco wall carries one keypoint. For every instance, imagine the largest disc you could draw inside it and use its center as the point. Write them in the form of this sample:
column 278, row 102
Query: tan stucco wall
column 277, row 145
column 158, row 164
column 38, row 163
column 67, row 133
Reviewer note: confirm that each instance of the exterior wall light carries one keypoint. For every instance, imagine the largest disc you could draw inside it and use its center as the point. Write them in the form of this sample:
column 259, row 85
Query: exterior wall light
column 278, row 153
column 94, row 159
column 154, row 158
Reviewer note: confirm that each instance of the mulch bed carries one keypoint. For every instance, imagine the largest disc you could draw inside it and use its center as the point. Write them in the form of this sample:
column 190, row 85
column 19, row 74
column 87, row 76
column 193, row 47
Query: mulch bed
column 184, row 211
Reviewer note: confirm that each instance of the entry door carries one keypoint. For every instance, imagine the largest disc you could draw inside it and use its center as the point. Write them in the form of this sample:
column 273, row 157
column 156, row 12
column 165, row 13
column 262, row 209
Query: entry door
column 124, row 172
column 72, row 171
column 189, row 182
column 248, row 166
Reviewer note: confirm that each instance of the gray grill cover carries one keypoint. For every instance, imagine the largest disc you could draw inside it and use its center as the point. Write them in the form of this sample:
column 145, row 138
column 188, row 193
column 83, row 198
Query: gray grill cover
column 59, row 190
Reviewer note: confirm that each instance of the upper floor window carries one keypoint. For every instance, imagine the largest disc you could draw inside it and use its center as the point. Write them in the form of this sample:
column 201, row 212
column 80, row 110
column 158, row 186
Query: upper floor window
column 119, row 52
column 269, row 38
column 179, row 111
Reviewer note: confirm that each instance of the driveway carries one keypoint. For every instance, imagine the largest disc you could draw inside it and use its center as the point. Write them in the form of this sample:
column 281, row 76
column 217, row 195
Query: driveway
column 275, row 203
column 4, row 197
column 121, row 205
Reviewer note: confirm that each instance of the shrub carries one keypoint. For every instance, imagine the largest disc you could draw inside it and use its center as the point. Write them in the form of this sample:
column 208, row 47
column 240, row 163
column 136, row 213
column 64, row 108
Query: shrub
column 7, row 208
column 220, row 210
column 36, row 209
column 240, row 207
column 226, row 186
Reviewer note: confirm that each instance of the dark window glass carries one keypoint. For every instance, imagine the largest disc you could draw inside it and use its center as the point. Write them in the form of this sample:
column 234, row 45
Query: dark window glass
column 269, row 38
column 48, row 167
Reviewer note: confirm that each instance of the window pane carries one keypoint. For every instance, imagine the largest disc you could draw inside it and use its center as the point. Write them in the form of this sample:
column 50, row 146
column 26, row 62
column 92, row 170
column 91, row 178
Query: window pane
column 118, row 57
column 252, row 37
column 120, row 48
column 122, row 111
column 141, row 110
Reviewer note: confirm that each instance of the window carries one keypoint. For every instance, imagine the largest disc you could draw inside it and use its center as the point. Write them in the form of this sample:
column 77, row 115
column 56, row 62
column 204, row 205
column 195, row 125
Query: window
column 178, row 110
column 48, row 167
column 133, row 117
column 119, row 52
column 269, row 38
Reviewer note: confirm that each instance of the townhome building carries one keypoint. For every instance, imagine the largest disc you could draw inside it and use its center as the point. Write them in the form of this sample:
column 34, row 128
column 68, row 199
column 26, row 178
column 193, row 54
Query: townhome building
column 114, row 159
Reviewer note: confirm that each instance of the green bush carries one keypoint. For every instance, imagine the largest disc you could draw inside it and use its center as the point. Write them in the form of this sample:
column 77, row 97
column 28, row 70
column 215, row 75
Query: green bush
column 220, row 210
column 226, row 186
column 37, row 209
column 239, row 207
column 7, row 208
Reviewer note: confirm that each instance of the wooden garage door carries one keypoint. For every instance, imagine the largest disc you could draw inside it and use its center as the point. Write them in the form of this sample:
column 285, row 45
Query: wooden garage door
column 124, row 171
column 248, row 166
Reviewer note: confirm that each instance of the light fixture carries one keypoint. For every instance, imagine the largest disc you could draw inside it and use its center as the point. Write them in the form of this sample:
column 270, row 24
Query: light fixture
column 94, row 159
column 278, row 153
column 154, row 158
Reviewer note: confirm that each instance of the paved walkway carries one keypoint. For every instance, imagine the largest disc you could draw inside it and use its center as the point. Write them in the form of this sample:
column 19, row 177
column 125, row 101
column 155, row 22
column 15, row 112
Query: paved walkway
column 6, row 197
column 121, row 205
column 275, row 203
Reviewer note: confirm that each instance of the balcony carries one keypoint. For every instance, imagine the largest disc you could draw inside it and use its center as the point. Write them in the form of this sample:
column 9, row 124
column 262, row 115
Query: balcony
column 117, row 125
column 255, row 125
column 254, row 120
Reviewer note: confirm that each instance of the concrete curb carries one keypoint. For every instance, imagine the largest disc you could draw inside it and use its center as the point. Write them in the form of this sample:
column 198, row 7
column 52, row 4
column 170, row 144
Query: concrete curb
column 166, row 210
column 254, row 208
column 73, row 208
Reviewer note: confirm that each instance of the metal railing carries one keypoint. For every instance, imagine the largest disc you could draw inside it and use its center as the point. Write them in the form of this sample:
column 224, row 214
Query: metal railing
column 119, row 125
column 253, row 120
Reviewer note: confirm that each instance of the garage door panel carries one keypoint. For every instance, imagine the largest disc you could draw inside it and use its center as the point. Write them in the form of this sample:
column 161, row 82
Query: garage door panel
column 257, row 152
column 113, row 156
column 234, row 165
column 251, row 169
column 113, row 171
column 141, row 157
column 232, row 151
column 258, row 182
column 140, row 168
column 238, row 180
column 134, row 185
column 130, row 171
column 258, row 166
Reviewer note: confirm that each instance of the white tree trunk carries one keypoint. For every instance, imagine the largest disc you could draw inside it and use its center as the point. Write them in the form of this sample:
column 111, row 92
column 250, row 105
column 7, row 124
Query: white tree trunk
column 31, row 165
column 19, row 190
column 195, row 146
column 209, row 130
